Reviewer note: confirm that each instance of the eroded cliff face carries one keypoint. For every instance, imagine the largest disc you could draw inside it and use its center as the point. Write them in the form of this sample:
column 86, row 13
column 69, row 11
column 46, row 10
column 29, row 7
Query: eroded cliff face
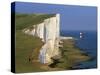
column 48, row 31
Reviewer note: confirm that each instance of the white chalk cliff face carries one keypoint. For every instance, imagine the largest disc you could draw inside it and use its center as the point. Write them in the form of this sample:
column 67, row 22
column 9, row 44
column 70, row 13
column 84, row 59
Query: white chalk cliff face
column 48, row 31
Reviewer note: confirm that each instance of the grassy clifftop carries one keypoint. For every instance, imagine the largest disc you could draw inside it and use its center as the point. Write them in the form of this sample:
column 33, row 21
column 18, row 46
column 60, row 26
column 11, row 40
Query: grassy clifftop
column 28, row 46
column 27, row 20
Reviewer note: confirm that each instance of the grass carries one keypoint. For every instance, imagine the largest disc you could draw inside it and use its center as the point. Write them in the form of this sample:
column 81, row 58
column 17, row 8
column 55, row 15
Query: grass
column 27, row 20
column 26, row 46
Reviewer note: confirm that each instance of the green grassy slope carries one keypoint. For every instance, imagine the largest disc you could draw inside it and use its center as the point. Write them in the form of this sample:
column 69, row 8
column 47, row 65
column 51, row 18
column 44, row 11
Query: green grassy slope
column 25, row 45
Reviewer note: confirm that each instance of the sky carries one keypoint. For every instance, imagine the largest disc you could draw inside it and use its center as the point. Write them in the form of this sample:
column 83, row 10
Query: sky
column 72, row 17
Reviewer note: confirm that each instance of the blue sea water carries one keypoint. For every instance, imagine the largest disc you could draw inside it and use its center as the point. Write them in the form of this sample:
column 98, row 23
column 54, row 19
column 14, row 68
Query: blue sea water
column 88, row 44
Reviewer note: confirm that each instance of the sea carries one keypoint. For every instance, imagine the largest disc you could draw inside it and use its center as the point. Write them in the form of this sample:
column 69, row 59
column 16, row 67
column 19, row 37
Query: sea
column 87, row 43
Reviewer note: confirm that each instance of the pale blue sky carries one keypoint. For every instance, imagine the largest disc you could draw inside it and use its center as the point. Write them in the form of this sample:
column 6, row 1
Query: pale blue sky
column 72, row 17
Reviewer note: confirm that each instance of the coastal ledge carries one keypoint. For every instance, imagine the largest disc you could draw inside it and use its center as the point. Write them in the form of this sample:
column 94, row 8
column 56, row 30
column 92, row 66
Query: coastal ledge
column 71, row 55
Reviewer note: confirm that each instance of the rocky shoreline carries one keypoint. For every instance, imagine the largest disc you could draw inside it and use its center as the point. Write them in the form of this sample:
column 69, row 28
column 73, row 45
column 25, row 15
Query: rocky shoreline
column 70, row 56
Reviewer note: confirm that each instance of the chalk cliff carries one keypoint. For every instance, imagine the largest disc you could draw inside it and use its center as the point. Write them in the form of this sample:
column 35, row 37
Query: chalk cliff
column 48, row 31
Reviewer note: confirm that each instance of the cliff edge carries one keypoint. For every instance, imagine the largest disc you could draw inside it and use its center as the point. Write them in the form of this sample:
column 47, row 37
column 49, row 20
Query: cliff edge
column 48, row 32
